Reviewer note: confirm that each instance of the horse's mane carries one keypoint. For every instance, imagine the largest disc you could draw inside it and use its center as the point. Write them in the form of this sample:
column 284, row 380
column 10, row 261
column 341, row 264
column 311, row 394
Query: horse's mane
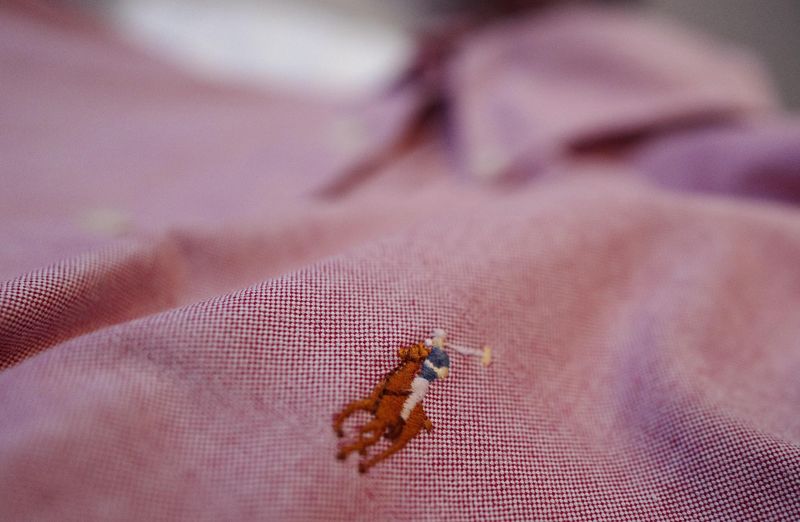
column 412, row 358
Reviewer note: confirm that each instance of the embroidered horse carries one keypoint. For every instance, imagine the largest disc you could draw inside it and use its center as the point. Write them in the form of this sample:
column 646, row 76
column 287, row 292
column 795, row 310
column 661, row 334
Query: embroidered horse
column 395, row 403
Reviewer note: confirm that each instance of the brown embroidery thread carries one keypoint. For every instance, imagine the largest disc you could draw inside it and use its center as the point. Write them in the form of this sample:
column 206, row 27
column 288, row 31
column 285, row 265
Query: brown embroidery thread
column 396, row 402
column 386, row 403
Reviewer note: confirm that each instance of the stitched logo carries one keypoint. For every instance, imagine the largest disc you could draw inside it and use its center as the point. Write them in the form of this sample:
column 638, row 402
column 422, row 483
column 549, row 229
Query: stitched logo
column 396, row 402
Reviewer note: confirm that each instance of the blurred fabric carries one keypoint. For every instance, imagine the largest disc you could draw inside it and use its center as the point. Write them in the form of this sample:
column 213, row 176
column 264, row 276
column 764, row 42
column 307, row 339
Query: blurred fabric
column 769, row 28
column 199, row 274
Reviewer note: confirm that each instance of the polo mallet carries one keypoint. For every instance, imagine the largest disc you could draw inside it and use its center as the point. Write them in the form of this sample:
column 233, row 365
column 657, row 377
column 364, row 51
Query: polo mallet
column 439, row 337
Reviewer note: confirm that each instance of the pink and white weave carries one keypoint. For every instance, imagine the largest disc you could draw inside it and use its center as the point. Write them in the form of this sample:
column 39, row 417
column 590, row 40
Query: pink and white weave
column 645, row 334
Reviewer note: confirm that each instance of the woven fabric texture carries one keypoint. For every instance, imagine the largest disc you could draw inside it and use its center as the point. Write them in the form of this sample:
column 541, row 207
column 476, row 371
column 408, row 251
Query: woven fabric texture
column 179, row 353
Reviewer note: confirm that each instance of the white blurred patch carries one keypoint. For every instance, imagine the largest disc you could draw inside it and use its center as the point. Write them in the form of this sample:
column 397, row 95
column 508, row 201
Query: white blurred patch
column 104, row 221
column 276, row 42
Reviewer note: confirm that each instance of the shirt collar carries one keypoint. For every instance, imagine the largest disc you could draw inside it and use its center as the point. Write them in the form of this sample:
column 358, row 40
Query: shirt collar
column 524, row 92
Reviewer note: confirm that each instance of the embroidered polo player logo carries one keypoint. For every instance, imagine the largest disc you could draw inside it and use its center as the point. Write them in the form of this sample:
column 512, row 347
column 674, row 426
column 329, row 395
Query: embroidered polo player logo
column 396, row 402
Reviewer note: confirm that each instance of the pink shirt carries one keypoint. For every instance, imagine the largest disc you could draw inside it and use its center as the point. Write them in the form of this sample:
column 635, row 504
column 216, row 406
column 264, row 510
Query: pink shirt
column 197, row 277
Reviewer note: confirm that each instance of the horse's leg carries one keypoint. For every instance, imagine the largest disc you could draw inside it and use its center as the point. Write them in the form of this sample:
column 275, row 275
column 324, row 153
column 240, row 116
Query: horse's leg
column 363, row 404
column 396, row 446
column 368, row 404
column 374, row 426
column 416, row 421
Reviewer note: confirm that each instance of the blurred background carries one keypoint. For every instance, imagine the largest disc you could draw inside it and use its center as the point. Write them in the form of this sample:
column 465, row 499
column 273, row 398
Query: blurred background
column 351, row 46
column 768, row 27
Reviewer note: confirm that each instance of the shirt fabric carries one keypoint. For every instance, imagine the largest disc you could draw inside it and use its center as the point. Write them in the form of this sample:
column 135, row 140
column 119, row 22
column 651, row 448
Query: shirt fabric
column 198, row 276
